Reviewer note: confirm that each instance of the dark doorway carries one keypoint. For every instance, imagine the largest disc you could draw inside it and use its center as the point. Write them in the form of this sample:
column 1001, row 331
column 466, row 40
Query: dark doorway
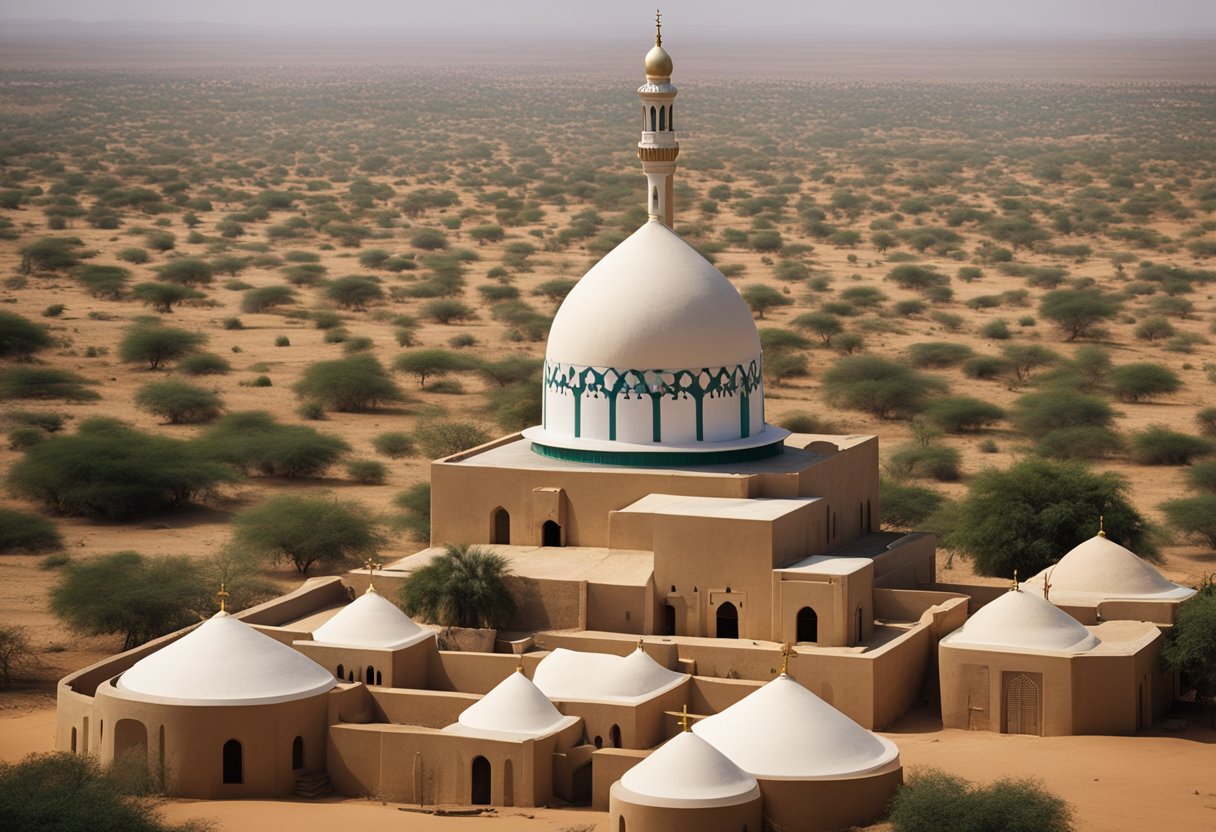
column 728, row 621
column 131, row 743
column 581, row 785
column 341, row 674
column 808, row 625
column 297, row 753
column 502, row 526
column 669, row 620
column 370, row 678
column 234, row 769
column 550, row 534
column 481, row 782
column 614, row 736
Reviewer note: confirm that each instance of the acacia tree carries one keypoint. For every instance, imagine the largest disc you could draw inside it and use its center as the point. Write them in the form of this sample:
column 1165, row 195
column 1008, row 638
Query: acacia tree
column 17, row 657
column 1078, row 312
column 350, row 384
column 309, row 529
column 158, row 345
column 20, row 337
column 463, row 587
column 1190, row 646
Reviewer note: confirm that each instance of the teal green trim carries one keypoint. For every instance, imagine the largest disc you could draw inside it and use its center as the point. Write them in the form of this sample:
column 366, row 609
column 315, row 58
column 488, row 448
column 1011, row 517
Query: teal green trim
column 578, row 413
column 745, row 417
column 611, row 417
column 660, row 459
column 656, row 418
column 700, row 405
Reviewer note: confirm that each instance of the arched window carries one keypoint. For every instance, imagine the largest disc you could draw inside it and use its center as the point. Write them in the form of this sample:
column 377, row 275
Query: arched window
column 807, row 625
column 341, row 673
column 378, row 677
column 654, row 199
column 671, row 116
column 662, row 118
column 669, row 620
column 599, row 741
column 73, row 740
column 370, row 678
column 728, row 621
column 500, row 522
column 234, row 768
column 621, row 826
column 480, row 793
column 614, row 736
column 550, row 534
column 653, row 118
column 297, row 753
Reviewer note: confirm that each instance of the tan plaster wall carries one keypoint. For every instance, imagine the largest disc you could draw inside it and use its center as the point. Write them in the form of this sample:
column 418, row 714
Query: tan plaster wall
column 634, row 817
column 406, row 667
column 909, row 562
column 475, row 672
column 429, row 709
column 821, row 805
column 958, row 685
column 607, row 766
column 619, row 609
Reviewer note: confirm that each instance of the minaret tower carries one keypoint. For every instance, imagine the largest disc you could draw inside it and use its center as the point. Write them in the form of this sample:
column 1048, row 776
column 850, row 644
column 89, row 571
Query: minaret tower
column 658, row 148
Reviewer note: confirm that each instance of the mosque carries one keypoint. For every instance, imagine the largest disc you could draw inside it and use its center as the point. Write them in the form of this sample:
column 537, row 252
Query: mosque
column 716, row 624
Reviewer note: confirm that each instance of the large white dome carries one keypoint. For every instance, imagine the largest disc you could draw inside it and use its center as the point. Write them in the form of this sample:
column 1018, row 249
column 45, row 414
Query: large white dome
column 1100, row 569
column 514, row 706
column 371, row 620
column 653, row 303
column 224, row 661
column 686, row 772
column 1022, row 621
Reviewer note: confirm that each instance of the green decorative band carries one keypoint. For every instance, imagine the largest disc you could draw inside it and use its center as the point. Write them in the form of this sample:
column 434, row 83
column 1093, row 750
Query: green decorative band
column 660, row 458
column 711, row 382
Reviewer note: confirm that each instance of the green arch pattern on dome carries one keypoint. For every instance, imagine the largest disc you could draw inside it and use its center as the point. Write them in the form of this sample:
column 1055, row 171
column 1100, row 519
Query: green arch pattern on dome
column 612, row 383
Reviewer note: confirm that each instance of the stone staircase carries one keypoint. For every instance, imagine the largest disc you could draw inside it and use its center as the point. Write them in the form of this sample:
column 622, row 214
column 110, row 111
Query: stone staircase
column 312, row 784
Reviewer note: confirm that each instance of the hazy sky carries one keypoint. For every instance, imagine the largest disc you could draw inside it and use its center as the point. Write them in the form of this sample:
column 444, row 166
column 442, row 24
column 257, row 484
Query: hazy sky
column 927, row 17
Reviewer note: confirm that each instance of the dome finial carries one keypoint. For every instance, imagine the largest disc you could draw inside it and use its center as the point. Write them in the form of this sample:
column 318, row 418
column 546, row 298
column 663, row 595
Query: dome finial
column 1101, row 526
column 786, row 652
column 223, row 596
column 684, row 719
column 1015, row 587
column 658, row 28
column 371, row 566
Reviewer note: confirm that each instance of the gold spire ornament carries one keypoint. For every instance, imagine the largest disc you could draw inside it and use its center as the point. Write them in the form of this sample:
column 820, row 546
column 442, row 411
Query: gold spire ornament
column 371, row 566
column 786, row 652
column 658, row 28
column 1101, row 526
column 223, row 596
column 684, row 720
column 1015, row 587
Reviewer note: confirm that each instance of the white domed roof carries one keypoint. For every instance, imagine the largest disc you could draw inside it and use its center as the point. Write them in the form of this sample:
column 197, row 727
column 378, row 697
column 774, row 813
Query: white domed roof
column 785, row 732
column 371, row 620
column 653, row 303
column 686, row 772
column 573, row 676
column 1100, row 569
column 1023, row 621
column 514, row 706
column 224, row 661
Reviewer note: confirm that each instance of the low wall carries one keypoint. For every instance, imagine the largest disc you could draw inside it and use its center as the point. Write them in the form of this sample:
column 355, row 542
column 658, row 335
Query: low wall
column 908, row 604
column 607, row 766
column 427, row 708
column 979, row 594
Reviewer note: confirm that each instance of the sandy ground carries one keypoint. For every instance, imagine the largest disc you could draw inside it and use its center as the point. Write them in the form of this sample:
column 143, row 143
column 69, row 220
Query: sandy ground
column 1156, row 781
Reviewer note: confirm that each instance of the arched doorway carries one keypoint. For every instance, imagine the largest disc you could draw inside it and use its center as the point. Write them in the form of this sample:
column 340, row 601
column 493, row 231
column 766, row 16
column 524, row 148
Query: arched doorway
column 669, row 620
column 370, row 678
column 480, row 792
column 728, row 621
column 550, row 534
column 131, row 743
column 807, row 625
column 341, row 674
column 297, row 754
column 614, row 736
column 234, row 767
column 1022, row 705
column 500, row 526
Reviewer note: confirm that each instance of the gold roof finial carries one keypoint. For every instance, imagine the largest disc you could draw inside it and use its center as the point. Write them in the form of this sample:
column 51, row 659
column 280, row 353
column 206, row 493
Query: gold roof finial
column 684, row 719
column 519, row 663
column 1101, row 526
column 223, row 596
column 371, row 566
column 658, row 28
column 786, row 652
column 641, row 644
column 1015, row 587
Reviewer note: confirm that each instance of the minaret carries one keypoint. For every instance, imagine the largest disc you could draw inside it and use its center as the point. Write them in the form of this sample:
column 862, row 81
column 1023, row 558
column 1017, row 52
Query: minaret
column 658, row 148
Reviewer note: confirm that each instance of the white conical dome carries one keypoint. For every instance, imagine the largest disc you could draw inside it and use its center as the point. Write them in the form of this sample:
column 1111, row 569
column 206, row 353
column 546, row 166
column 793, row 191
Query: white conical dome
column 1022, row 621
column 785, row 732
column 224, row 661
column 653, row 303
column 1100, row 569
column 514, row 706
column 687, row 772
column 571, row 675
column 371, row 620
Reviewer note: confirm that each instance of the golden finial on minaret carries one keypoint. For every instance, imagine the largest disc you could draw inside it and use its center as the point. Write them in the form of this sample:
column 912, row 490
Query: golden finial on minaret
column 684, row 719
column 223, row 596
column 1015, row 587
column 371, row 566
column 1101, row 526
column 786, row 652
column 658, row 28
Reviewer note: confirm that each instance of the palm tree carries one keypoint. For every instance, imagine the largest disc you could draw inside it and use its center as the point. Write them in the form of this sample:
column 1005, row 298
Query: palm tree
column 463, row 587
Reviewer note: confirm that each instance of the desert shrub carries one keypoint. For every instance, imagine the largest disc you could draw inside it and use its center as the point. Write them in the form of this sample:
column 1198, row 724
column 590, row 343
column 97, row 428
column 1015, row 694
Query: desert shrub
column 958, row 414
column 1078, row 312
column 463, row 587
column 910, row 308
column 997, row 330
column 986, row 367
column 1202, row 477
column 936, row 462
column 916, row 278
column 232, row 323
column 1024, row 359
column 325, row 319
column 178, row 401
column 1190, row 645
column 800, row 422
column 906, row 506
column 157, row 345
column 1206, row 418
column 1079, row 442
column 17, row 661
column 20, row 337
column 948, row 321
column 187, row 271
column 821, row 324
column 354, row 291
column 850, row 342
column 54, row 310
column 429, row 239
column 24, row 437
column 51, row 254
column 1142, row 381
column 41, row 419
column 515, row 406
column 394, row 444
column 886, row 388
column 439, row 438
column 555, row 290
column 367, row 471
column 938, row 354
column 1158, row 445
column 44, row 383
column 308, row 530
column 1038, row 414
column 27, row 533
column 129, row 595
column 1194, row 517
column 495, row 293
column 353, row 384
column 164, row 296
column 112, row 471
column 1154, row 328
column 415, row 504
column 305, row 274
column 282, row 341
column 933, row 801
column 204, row 364
column 1029, row 515
column 429, row 363
column 863, row 297
column 133, row 254
column 761, row 298
column 254, row 441
column 267, row 297
column 102, row 281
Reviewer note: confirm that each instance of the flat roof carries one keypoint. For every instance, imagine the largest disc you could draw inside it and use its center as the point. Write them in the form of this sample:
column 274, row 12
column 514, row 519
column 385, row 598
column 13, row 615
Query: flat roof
column 516, row 452
column 735, row 508
column 827, row 565
column 594, row 564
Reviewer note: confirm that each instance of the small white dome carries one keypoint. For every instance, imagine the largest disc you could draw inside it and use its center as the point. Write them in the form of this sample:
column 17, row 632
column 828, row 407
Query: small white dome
column 371, row 620
column 1023, row 621
column 514, row 706
column 574, row 676
column 785, row 732
column 224, row 661
column 653, row 303
column 1100, row 569
column 686, row 772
